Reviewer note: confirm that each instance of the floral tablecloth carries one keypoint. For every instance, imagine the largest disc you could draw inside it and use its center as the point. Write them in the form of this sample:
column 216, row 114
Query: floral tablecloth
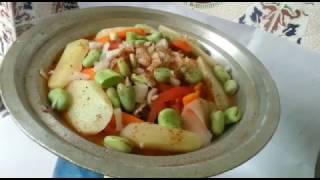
column 298, row 22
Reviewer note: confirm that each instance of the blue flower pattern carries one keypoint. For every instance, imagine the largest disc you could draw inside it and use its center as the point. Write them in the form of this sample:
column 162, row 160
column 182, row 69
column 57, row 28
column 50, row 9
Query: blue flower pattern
column 27, row 5
column 256, row 15
column 299, row 41
column 291, row 29
column 242, row 19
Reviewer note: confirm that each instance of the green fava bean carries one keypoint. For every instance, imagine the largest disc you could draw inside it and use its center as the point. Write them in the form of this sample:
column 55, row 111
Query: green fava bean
column 130, row 36
column 138, row 79
column 192, row 75
column 59, row 99
column 108, row 78
column 91, row 58
column 221, row 74
column 217, row 122
column 230, row 87
column 124, row 68
column 169, row 118
column 139, row 42
column 127, row 97
column 154, row 37
column 232, row 115
column 118, row 143
column 113, row 96
column 162, row 74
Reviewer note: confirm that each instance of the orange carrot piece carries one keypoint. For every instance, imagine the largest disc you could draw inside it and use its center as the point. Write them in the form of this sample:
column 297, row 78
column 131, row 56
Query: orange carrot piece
column 111, row 129
column 182, row 45
column 128, row 118
column 138, row 31
column 190, row 97
column 103, row 39
column 90, row 72
column 122, row 34
column 198, row 87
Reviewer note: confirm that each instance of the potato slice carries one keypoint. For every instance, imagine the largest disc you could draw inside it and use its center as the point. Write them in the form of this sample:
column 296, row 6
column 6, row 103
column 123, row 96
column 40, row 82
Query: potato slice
column 153, row 136
column 70, row 62
column 91, row 110
column 195, row 118
column 216, row 89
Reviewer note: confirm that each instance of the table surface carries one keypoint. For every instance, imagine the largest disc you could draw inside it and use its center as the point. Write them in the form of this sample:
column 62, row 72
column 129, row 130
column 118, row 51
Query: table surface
column 292, row 151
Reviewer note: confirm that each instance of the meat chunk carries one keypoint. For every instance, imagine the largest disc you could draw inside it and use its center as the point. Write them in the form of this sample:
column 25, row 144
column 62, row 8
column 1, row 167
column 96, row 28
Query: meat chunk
column 143, row 56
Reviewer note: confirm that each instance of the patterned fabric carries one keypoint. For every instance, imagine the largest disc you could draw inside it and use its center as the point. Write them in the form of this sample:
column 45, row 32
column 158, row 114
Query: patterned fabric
column 17, row 17
column 7, row 29
column 28, row 13
column 7, row 36
column 202, row 5
column 284, row 19
column 295, row 21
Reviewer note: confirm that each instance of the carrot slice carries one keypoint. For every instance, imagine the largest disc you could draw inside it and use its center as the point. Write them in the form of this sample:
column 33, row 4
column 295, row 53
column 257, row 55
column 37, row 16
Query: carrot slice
column 111, row 129
column 190, row 97
column 103, row 39
column 90, row 72
column 122, row 34
column 128, row 118
column 139, row 31
column 182, row 45
column 198, row 87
